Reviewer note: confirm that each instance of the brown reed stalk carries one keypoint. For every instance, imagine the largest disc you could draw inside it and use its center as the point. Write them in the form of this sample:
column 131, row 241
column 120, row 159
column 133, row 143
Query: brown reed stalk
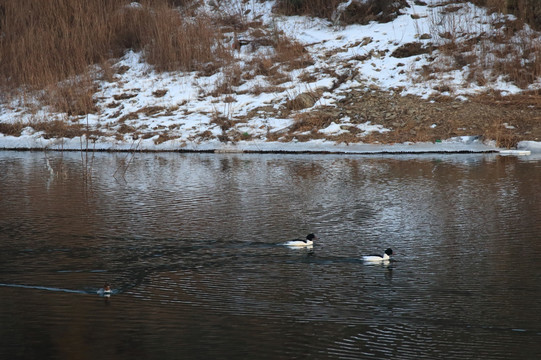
column 44, row 42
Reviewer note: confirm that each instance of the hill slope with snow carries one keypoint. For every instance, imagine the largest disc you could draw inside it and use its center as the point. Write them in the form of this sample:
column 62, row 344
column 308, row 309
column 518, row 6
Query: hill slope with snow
column 285, row 108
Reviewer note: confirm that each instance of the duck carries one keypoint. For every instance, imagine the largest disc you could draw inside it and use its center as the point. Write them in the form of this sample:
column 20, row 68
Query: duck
column 309, row 241
column 105, row 290
column 379, row 258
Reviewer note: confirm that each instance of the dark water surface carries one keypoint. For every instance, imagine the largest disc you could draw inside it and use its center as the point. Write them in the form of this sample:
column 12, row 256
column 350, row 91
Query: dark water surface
column 189, row 244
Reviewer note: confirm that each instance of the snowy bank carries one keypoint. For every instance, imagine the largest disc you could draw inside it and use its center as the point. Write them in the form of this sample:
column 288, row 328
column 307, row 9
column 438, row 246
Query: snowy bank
column 140, row 109
column 532, row 146
column 463, row 144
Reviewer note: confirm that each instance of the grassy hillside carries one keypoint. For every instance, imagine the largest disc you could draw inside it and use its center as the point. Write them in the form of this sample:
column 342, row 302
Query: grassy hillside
column 60, row 54
column 44, row 42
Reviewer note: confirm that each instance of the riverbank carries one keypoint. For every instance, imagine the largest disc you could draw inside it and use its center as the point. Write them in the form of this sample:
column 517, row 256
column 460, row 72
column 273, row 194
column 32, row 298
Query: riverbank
column 377, row 87
column 360, row 120
column 463, row 144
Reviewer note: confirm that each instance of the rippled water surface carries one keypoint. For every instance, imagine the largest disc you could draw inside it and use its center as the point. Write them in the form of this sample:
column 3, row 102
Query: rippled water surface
column 191, row 246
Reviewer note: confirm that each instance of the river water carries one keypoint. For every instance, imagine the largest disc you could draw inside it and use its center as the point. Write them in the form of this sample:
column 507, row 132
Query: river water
column 190, row 244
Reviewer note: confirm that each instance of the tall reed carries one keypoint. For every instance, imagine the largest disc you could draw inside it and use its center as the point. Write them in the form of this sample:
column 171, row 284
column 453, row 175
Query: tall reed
column 44, row 42
column 174, row 43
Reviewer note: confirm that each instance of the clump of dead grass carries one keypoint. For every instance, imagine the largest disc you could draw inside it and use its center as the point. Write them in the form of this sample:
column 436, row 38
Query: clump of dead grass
column 526, row 11
column 12, row 129
column 511, row 51
column 163, row 137
column 501, row 134
column 357, row 12
column 310, row 122
column 72, row 97
column 291, row 53
column 57, row 128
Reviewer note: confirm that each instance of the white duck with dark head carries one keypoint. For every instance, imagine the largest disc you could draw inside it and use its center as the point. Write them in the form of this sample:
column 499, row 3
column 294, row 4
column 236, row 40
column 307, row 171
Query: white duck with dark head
column 377, row 259
column 308, row 241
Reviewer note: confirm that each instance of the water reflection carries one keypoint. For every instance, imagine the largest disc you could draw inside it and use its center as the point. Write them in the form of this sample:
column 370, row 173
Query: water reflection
column 191, row 246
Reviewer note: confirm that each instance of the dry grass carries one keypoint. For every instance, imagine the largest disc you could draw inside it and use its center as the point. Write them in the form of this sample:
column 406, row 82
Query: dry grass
column 318, row 8
column 126, row 129
column 360, row 12
column 509, row 51
column 12, row 129
column 506, row 120
column 283, row 56
column 51, row 129
column 310, row 122
column 163, row 137
column 172, row 43
column 302, row 101
column 72, row 97
column 499, row 132
column 160, row 93
column 264, row 66
column 527, row 11
column 411, row 49
column 232, row 77
column 58, row 129
column 63, row 39
column 372, row 10
column 291, row 53
column 67, row 36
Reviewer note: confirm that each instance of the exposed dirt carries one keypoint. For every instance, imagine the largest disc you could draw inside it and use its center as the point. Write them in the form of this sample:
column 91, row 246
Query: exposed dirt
column 507, row 120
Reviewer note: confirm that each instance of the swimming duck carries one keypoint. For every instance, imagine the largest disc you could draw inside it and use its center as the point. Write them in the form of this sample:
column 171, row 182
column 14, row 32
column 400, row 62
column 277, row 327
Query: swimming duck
column 309, row 241
column 379, row 258
column 105, row 291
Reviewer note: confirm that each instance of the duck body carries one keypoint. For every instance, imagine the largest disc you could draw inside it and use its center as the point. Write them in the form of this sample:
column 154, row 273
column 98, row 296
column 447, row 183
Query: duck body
column 379, row 258
column 105, row 291
column 309, row 241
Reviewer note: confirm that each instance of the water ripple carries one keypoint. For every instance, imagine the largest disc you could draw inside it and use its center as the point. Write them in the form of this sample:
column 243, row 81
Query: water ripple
column 191, row 246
